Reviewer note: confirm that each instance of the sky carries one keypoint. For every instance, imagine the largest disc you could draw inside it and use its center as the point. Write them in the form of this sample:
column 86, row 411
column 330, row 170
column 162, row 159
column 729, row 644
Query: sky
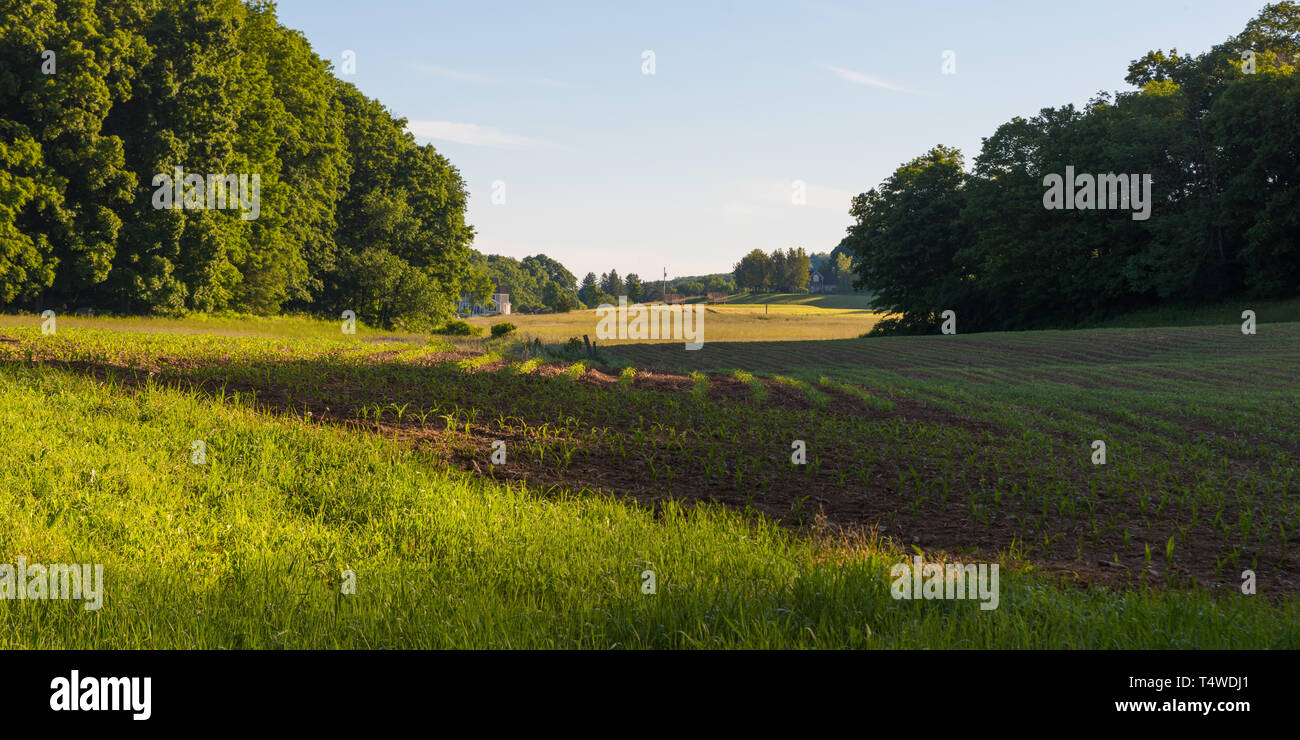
column 548, row 105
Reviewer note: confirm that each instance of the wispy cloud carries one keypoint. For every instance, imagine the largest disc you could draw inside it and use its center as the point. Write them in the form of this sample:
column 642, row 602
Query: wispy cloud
column 472, row 134
column 859, row 78
column 548, row 82
column 447, row 73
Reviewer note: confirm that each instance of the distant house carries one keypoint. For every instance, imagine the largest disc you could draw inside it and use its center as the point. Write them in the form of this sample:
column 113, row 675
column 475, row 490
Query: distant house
column 499, row 303
column 717, row 297
column 821, row 281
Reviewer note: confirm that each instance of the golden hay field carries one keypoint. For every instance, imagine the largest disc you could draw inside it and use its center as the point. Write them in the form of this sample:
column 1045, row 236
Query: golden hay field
column 739, row 323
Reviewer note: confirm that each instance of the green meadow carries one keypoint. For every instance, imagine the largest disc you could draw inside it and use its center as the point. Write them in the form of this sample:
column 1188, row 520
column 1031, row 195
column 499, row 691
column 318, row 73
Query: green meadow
column 347, row 498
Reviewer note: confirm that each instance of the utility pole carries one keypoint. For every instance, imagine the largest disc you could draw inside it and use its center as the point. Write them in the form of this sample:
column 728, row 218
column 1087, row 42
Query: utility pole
column 663, row 286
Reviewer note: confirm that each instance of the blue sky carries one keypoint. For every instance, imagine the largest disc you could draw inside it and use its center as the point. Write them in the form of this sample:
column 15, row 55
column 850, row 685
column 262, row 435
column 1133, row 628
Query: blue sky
column 691, row 167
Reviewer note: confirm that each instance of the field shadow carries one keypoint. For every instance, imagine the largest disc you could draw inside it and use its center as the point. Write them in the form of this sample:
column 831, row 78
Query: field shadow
column 920, row 475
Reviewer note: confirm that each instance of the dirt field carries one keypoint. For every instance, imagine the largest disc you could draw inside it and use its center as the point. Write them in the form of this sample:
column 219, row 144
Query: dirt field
column 979, row 443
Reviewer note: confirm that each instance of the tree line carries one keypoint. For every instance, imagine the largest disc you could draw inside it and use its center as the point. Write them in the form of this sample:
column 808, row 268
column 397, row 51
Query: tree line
column 99, row 99
column 594, row 291
column 782, row 271
column 536, row 284
column 1216, row 132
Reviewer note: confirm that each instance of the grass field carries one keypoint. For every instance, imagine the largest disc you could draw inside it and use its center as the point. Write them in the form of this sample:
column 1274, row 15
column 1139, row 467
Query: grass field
column 221, row 326
column 1208, row 315
column 1202, row 426
column 372, row 454
column 851, row 301
column 722, row 323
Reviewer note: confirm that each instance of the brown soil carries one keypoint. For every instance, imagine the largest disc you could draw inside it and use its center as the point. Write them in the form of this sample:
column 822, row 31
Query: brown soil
column 833, row 496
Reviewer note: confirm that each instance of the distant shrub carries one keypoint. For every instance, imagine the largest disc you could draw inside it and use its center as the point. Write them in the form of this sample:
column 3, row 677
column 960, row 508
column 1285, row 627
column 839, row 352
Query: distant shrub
column 576, row 349
column 459, row 328
column 502, row 329
column 904, row 325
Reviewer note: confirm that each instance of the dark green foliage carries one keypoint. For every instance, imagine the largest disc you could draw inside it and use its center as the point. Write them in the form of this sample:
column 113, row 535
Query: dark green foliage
column 612, row 284
column 635, row 290
column 783, row 271
column 502, row 329
column 1222, row 148
column 536, row 284
column 353, row 214
column 459, row 328
column 591, row 294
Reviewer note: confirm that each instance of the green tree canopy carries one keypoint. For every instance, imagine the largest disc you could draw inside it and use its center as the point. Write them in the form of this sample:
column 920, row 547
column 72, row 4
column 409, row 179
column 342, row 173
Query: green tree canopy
column 138, row 88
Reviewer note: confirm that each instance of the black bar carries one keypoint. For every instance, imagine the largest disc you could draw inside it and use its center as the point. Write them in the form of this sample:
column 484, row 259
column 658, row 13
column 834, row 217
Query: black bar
column 926, row 690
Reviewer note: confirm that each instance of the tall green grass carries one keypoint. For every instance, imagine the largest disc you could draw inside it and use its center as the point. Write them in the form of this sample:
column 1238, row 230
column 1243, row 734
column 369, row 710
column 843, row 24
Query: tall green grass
column 1272, row 311
column 296, row 326
column 247, row 551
